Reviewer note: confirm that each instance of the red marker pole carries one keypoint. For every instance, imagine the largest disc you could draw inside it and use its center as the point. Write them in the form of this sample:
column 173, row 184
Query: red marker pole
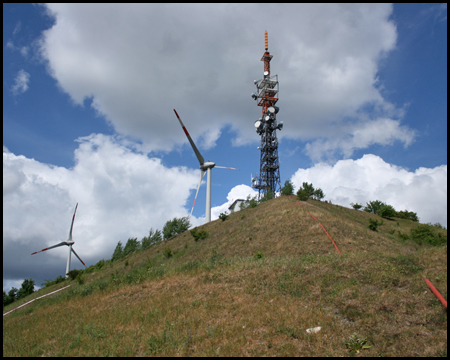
column 435, row 292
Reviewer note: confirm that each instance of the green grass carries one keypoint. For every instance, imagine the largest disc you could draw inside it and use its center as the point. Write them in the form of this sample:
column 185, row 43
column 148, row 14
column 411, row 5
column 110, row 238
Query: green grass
column 216, row 298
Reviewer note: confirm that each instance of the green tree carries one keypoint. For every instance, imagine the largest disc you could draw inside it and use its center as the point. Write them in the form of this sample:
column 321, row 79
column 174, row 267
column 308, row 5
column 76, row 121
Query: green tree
column 131, row 246
column 356, row 206
column 152, row 238
column 405, row 214
column 268, row 195
column 387, row 211
column 27, row 288
column 318, row 194
column 7, row 299
column 374, row 206
column 307, row 191
column 118, row 252
column 288, row 188
column 175, row 227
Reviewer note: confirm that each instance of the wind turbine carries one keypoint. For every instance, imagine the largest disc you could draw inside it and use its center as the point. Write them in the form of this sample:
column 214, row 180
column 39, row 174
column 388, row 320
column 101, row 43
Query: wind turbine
column 69, row 243
column 205, row 167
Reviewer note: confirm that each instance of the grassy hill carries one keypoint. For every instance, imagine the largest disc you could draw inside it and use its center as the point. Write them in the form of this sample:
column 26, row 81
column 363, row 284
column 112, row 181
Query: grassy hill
column 251, row 288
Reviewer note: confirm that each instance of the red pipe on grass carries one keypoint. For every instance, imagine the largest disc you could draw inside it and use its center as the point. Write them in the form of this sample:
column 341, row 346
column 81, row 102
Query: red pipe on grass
column 435, row 292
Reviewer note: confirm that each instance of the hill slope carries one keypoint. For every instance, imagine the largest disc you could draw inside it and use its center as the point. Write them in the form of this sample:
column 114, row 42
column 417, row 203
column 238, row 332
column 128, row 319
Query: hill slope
column 215, row 297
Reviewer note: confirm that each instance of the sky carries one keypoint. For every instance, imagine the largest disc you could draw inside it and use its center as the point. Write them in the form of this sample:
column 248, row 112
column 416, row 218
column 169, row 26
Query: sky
column 88, row 98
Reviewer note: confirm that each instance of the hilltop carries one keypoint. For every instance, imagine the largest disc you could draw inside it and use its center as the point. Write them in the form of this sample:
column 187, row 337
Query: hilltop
column 252, row 287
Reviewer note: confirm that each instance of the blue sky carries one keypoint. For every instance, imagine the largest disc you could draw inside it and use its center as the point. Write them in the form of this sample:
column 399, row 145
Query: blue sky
column 88, row 93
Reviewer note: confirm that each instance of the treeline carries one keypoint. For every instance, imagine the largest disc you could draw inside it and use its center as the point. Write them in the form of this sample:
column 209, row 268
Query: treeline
column 14, row 294
column 386, row 211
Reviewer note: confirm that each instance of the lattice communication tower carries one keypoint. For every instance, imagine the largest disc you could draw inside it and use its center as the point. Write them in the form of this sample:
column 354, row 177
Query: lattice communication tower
column 267, row 126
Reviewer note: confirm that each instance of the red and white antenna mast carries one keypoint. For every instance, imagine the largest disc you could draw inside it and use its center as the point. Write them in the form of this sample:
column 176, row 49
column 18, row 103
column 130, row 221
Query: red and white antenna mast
column 266, row 126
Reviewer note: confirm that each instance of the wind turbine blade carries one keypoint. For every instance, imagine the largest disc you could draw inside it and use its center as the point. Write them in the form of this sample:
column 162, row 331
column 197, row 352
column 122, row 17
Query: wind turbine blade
column 71, row 226
column 225, row 167
column 78, row 257
column 51, row 247
column 198, row 187
column 199, row 156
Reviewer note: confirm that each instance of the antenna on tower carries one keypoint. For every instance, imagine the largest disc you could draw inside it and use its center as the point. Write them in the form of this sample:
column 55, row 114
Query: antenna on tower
column 266, row 126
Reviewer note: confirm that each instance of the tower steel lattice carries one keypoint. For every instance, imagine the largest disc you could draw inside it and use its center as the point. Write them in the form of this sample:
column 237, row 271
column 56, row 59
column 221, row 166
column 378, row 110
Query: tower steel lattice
column 267, row 126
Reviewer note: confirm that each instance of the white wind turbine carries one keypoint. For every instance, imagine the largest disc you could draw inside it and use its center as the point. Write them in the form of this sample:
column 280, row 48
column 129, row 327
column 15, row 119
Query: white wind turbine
column 69, row 243
column 205, row 167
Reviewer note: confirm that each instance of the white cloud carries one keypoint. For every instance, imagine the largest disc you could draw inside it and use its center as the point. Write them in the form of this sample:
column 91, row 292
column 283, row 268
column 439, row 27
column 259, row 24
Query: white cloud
column 381, row 131
column 137, row 62
column 121, row 194
column 423, row 191
column 21, row 82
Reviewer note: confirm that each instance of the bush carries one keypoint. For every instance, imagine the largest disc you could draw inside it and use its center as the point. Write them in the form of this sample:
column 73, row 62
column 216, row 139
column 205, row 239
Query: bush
column 80, row 279
column 258, row 255
column 373, row 224
column 73, row 274
column 118, row 252
column 222, row 217
column 197, row 235
column 426, row 233
column 168, row 252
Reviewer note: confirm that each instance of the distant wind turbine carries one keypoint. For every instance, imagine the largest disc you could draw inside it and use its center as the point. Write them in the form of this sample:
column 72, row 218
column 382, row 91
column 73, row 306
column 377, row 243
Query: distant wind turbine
column 205, row 167
column 69, row 243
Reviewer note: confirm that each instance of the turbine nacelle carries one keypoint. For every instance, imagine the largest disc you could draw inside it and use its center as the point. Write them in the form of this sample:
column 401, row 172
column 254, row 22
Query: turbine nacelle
column 207, row 165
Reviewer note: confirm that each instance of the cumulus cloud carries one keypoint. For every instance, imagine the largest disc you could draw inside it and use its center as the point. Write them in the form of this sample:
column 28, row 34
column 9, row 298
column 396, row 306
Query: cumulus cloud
column 20, row 82
column 137, row 62
column 121, row 194
column 423, row 191
column 238, row 192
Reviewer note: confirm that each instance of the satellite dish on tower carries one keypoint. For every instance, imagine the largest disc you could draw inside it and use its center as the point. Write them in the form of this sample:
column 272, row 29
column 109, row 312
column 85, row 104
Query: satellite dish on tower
column 266, row 73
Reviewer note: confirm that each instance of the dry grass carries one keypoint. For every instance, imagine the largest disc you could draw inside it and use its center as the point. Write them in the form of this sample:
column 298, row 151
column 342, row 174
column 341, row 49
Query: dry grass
column 214, row 298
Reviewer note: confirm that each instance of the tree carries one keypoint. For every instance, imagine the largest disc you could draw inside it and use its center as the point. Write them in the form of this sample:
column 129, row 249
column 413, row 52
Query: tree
column 405, row 214
column 387, row 211
column 131, row 246
column 27, row 288
column 356, row 206
column 288, row 188
column 175, row 227
column 374, row 206
column 318, row 194
column 307, row 191
column 118, row 252
column 268, row 195
column 152, row 238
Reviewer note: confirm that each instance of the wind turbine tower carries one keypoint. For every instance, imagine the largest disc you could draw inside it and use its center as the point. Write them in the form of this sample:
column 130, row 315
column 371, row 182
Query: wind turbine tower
column 267, row 126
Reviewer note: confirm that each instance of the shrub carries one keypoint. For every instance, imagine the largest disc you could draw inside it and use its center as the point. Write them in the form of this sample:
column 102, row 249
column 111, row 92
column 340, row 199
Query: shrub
column 197, row 235
column 168, row 252
column 258, row 255
column 118, row 252
column 80, row 279
column 73, row 274
column 426, row 233
column 373, row 224
column 223, row 216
